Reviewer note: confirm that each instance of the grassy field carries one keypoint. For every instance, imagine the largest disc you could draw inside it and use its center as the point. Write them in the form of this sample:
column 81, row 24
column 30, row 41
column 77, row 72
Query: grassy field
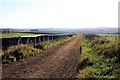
column 100, row 57
column 13, row 35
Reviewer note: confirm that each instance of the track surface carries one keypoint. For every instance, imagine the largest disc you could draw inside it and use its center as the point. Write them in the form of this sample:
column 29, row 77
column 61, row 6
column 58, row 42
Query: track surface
column 60, row 61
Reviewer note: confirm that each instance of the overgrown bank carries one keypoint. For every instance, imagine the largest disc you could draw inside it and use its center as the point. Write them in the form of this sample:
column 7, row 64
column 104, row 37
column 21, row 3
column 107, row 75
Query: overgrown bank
column 13, row 54
column 100, row 57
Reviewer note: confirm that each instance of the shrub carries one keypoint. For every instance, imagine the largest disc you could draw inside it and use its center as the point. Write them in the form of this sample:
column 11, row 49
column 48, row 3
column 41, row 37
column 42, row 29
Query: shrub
column 91, row 36
column 13, row 53
column 104, row 56
column 84, row 63
column 99, row 41
column 108, row 48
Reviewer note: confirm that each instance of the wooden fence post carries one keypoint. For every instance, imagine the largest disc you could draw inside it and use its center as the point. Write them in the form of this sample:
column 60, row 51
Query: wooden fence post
column 27, row 42
column 43, row 38
column 39, row 40
column 19, row 42
column 35, row 42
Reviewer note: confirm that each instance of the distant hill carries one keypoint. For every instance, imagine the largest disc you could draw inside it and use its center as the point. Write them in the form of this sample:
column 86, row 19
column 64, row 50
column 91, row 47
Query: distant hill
column 83, row 30
column 76, row 30
column 98, row 30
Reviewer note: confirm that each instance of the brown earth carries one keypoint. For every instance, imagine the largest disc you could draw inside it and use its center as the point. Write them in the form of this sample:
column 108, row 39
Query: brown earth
column 60, row 61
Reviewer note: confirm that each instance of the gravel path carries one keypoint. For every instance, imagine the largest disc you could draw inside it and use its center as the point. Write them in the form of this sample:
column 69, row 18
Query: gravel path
column 60, row 61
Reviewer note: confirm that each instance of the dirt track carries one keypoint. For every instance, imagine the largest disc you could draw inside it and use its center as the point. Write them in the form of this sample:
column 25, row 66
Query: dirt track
column 57, row 62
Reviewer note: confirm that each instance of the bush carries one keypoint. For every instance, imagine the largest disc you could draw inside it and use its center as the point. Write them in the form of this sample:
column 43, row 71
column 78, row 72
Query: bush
column 84, row 63
column 91, row 36
column 103, row 46
column 99, row 41
column 13, row 54
column 104, row 55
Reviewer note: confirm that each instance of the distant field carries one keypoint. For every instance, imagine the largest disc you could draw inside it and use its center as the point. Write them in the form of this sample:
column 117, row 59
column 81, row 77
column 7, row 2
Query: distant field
column 13, row 35
column 108, row 35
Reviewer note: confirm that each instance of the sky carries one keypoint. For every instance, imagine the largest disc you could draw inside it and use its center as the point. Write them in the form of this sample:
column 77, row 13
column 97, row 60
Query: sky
column 58, row 13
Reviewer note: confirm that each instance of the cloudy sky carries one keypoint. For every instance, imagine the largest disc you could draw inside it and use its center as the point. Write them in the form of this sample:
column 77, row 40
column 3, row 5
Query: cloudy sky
column 58, row 13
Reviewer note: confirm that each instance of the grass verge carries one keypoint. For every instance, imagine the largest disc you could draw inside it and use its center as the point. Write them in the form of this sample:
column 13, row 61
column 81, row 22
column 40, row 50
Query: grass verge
column 13, row 54
column 99, row 58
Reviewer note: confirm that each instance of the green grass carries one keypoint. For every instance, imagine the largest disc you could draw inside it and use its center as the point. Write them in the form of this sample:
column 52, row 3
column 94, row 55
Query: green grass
column 95, row 65
column 13, row 35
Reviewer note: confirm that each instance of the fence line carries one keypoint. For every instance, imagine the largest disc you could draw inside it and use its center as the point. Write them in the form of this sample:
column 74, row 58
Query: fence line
column 43, row 37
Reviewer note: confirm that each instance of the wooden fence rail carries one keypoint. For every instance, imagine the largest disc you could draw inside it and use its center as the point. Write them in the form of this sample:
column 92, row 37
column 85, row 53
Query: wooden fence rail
column 6, row 42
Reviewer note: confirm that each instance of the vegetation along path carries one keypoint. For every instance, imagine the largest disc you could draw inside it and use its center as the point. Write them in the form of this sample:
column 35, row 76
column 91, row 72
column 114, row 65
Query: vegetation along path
column 60, row 61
